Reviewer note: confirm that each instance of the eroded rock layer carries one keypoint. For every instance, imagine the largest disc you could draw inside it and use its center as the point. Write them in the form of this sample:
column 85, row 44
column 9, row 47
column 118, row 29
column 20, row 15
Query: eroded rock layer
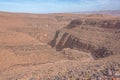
column 98, row 36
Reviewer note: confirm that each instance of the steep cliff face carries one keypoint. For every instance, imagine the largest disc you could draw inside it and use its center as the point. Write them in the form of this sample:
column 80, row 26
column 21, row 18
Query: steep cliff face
column 103, row 23
column 115, row 23
column 96, row 37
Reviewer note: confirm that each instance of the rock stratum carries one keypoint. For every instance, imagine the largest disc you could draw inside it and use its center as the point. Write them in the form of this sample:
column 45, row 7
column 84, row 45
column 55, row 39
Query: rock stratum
column 100, row 37
column 59, row 46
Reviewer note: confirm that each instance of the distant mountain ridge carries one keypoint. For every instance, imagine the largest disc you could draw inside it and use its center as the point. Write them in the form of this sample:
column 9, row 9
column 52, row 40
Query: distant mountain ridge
column 110, row 12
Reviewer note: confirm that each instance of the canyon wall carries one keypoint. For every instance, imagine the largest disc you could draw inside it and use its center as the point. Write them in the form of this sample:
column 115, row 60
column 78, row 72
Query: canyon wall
column 95, row 36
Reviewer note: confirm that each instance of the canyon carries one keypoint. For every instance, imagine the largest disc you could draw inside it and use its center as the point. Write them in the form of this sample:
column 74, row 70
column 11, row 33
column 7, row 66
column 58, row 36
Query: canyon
column 62, row 46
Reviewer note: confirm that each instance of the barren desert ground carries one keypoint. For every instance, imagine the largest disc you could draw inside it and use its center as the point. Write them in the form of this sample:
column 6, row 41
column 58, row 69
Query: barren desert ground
column 59, row 46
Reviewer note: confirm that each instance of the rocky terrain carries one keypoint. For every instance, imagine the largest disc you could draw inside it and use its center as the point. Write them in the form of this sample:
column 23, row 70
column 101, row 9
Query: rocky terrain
column 59, row 46
column 100, row 37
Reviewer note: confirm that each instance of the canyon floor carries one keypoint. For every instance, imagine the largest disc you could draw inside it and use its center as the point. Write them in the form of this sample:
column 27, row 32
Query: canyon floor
column 59, row 46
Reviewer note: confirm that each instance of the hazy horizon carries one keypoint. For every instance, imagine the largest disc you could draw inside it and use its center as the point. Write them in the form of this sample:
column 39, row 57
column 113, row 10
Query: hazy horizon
column 58, row 6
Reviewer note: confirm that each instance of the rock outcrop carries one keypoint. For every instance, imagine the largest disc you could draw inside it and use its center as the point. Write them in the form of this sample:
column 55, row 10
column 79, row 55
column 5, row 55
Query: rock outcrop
column 106, row 23
column 90, row 35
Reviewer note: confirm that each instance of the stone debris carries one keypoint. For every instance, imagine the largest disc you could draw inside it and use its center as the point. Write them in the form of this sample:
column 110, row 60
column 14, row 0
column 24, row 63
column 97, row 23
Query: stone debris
column 99, row 72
